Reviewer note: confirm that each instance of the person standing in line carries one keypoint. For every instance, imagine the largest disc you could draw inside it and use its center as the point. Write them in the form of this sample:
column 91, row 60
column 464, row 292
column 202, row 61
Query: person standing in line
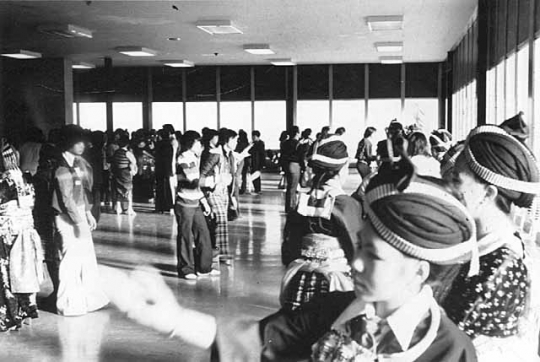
column 98, row 160
column 340, row 131
column 319, row 237
column 364, row 153
column 244, row 166
column 217, row 167
column 420, row 154
column 164, row 171
column 304, row 146
column 292, row 160
column 21, row 255
column 323, row 134
column 283, row 137
column 493, row 173
column 175, row 144
column 112, row 146
column 79, row 290
column 143, row 181
column 30, row 149
column 124, row 167
column 389, row 150
column 190, row 209
column 258, row 158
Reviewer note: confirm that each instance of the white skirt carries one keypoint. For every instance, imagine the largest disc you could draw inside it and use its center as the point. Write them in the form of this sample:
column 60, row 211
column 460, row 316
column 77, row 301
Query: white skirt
column 79, row 291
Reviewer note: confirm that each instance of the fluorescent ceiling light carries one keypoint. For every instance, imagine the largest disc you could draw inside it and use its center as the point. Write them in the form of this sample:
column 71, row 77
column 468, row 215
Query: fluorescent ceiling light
column 21, row 54
column 83, row 65
column 282, row 62
column 382, row 23
column 178, row 63
column 66, row 31
column 258, row 49
column 136, row 51
column 216, row 27
column 389, row 47
column 391, row 60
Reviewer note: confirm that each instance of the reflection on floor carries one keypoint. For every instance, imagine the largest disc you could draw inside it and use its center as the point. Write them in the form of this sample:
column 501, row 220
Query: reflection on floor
column 249, row 288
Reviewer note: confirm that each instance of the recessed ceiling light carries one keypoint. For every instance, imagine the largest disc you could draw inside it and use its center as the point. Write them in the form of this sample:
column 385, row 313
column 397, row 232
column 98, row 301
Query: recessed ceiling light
column 21, row 54
column 178, row 63
column 382, row 23
column 66, row 31
column 282, row 62
column 391, row 60
column 83, row 65
column 174, row 39
column 136, row 51
column 258, row 49
column 389, row 47
column 217, row 27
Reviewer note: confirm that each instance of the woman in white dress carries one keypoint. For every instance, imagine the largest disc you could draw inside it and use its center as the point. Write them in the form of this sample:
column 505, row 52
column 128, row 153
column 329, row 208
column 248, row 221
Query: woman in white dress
column 79, row 290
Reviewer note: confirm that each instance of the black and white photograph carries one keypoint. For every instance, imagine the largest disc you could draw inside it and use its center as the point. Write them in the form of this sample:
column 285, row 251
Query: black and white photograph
column 270, row 180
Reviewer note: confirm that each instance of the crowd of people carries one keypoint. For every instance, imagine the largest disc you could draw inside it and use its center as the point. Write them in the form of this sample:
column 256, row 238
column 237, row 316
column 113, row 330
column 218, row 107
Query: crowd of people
column 53, row 191
column 421, row 263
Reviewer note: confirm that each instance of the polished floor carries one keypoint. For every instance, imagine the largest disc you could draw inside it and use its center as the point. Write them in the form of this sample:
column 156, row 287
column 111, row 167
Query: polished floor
column 249, row 288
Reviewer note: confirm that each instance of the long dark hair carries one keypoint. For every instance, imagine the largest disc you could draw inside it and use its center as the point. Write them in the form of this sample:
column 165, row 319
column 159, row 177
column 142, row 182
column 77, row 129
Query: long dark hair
column 418, row 145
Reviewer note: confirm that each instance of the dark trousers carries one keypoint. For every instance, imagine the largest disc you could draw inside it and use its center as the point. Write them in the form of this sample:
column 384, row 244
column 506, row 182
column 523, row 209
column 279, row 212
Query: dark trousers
column 192, row 230
column 363, row 169
column 96, row 203
column 292, row 174
column 257, row 184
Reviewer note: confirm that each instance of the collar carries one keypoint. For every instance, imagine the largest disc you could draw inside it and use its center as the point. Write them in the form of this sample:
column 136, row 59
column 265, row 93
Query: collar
column 69, row 157
column 402, row 322
column 333, row 186
column 495, row 240
column 188, row 154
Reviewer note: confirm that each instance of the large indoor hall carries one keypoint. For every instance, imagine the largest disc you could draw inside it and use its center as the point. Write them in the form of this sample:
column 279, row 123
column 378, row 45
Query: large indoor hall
column 270, row 180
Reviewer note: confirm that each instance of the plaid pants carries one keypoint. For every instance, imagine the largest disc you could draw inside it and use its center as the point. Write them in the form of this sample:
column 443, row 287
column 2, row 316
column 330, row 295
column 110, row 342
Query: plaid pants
column 219, row 202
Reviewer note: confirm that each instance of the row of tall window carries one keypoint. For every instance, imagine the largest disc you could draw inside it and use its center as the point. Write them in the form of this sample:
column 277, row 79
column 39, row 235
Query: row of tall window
column 269, row 117
column 510, row 67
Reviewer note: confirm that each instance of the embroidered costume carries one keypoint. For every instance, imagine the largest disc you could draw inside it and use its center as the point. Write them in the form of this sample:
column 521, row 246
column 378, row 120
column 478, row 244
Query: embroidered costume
column 21, row 254
column 319, row 235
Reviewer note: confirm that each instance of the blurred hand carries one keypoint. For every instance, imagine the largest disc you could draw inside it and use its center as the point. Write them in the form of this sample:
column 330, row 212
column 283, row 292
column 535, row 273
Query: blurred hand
column 91, row 221
column 205, row 206
column 144, row 297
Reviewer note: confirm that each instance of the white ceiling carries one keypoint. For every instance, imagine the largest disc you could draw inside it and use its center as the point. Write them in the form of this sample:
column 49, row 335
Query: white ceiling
column 308, row 31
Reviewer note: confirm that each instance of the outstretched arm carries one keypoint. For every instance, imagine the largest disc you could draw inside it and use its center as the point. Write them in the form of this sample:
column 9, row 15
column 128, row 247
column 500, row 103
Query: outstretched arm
column 145, row 298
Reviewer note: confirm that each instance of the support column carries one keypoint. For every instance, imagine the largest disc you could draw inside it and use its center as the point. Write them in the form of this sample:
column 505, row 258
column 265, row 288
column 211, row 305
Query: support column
column 68, row 91
column 441, row 97
column 291, row 93
column 252, row 96
column 184, row 97
column 147, row 101
column 482, row 61
column 109, row 101
column 218, row 96
column 449, row 87
column 330, row 93
column 402, row 86
column 366, row 94
column 531, row 119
